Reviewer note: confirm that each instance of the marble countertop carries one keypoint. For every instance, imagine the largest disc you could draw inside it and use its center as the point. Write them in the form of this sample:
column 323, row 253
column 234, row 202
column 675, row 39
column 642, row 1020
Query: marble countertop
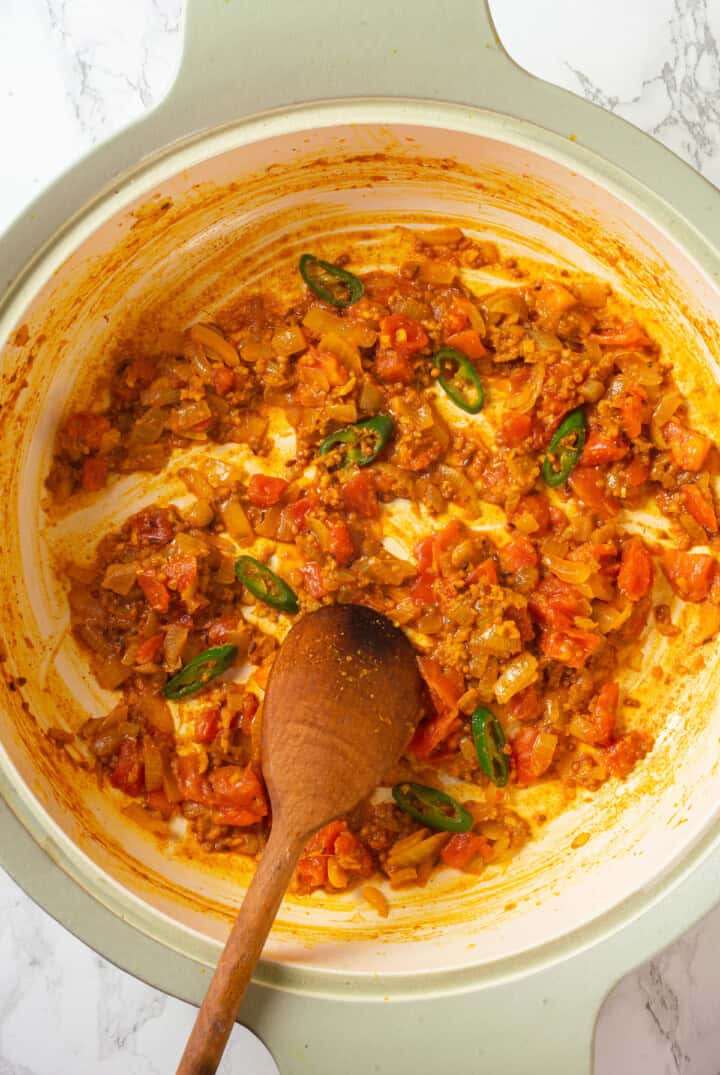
column 73, row 72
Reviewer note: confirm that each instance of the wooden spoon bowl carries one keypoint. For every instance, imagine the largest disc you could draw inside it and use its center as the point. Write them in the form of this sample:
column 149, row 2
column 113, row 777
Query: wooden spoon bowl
column 342, row 701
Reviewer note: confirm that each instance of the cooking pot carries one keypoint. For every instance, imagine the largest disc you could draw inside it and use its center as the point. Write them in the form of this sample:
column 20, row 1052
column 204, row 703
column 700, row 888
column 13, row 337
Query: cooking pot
column 416, row 116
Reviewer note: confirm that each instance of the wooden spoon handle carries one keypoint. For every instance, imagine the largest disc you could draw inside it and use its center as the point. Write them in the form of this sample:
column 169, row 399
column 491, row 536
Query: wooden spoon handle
column 215, row 1019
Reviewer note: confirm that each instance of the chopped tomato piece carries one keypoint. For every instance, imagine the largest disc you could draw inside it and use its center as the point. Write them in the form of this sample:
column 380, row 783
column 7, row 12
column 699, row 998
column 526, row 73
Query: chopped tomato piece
column 517, row 554
column 636, row 569
column 552, row 301
column 431, row 732
column 129, row 772
column 598, row 726
column 156, row 592
column 525, row 705
column 153, row 526
column 455, row 318
column 631, row 334
column 324, row 362
column 312, row 866
column 239, row 786
column 207, row 725
column 422, row 591
column 538, row 508
column 533, row 752
column 402, row 334
column 313, row 579
column 689, row 574
column 359, row 495
column 699, row 506
column 516, row 428
column 239, row 816
column 264, row 491
column 623, row 756
column 84, row 432
column 298, row 512
column 181, row 572
column 468, row 342
column 600, row 449
column 446, row 687
column 341, row 544
column 219, row 630
column 485, row 572
column 463, row 847
column 351, row 854
column 393, row 367
column 248, row 711
column 149, row 649
column 94, row 473
column 223, row 379
column 589, row 486
column 688, row 448
column 556, row 604
column 572, row 646
column 192, row 785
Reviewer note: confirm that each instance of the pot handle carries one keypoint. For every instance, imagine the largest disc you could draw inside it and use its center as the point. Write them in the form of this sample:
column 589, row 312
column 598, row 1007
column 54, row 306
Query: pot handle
column 242, row 57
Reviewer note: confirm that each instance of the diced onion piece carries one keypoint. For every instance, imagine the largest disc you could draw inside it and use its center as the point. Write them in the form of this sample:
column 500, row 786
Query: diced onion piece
column 520, row 673
column 440, row 236
column 376, row 899
column 175, row 638
column 236, row 521
column 321, row 322
column 703, row 622
column 344, row 413
column 120, row 578
column 639, row 368
column 371, row 398
column 288, row 340
column 343, row 349
column 256, row 352
column 155, row 711
column 609, row 617
column 412, row 851
column 212, row 339
column 437, row 272
column 152, row 758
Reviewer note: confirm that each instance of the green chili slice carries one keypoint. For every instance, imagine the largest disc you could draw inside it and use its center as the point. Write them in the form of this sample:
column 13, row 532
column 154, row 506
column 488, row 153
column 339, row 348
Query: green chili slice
column 198, row 672
column 489, row 740
column 360, row 443
column 459, row 379
column 565, row 448
column 432, row 807
column 265, row 584
column 329, row 282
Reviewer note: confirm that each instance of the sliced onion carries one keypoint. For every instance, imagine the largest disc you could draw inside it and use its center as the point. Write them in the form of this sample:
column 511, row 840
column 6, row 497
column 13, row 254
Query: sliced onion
column 236, row 521
column 152, row 758
column 527, row 397
column 575, row 571
column 520, row 673
column 175, row 639
column 609, row 617
column 440, row 236
column 155, row 712
column 212, row 339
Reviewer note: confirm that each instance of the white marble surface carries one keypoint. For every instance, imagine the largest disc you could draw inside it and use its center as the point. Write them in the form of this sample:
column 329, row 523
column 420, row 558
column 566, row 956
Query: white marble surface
column 71, row 73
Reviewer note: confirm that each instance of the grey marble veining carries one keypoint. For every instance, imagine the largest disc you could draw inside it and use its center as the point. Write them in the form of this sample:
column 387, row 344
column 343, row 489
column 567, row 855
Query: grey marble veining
column 71, row 73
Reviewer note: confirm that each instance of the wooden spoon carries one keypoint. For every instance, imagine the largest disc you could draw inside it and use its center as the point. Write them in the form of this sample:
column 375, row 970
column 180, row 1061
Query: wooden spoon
column 343, row 698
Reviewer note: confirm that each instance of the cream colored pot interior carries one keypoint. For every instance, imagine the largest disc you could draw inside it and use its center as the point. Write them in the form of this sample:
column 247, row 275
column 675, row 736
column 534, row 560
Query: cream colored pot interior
column 173, row 248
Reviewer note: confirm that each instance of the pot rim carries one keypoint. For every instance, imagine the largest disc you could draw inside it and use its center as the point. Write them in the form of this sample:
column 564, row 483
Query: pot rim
column 684, row 228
